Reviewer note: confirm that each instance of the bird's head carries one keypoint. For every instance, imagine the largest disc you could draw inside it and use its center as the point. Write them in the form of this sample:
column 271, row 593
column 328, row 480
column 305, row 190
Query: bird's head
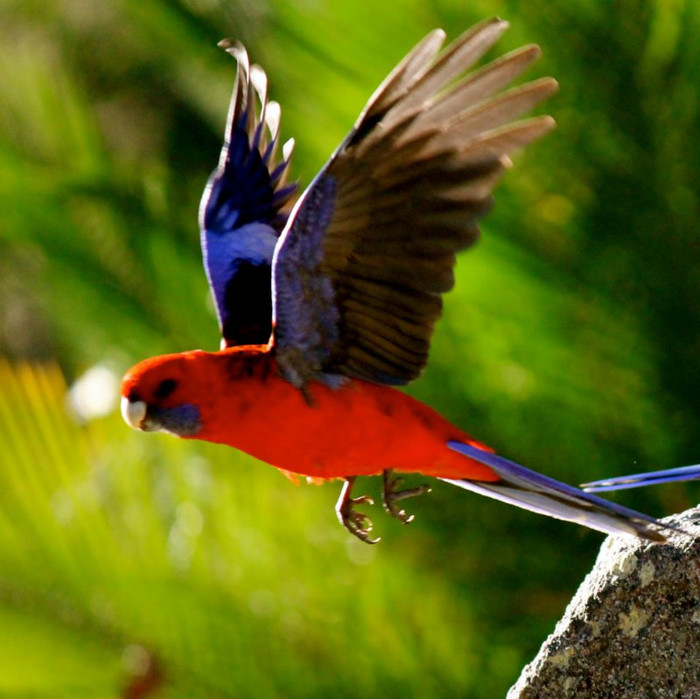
column 161, row 394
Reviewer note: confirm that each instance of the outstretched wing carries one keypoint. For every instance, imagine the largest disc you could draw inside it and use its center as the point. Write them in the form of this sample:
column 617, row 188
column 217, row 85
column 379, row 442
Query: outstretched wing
column 370, row 247
column 242, row 210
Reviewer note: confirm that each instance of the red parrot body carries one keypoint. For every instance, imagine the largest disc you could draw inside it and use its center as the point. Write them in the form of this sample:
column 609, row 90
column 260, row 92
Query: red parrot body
column 324, row 307
column 358, row 429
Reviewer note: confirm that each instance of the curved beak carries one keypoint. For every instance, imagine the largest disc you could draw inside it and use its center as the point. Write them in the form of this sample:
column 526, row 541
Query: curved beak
column 134, row 412
column 182, row 420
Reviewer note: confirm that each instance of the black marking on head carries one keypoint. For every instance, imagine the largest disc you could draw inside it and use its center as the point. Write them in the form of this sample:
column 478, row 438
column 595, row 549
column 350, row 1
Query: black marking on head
column 165, row 388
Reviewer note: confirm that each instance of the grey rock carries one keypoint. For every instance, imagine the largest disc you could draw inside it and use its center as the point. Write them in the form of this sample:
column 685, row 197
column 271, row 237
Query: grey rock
column 633, row 628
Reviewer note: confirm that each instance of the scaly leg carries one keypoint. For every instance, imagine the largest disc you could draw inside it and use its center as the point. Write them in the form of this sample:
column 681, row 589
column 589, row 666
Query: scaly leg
column 355, row 522
column 391, row 495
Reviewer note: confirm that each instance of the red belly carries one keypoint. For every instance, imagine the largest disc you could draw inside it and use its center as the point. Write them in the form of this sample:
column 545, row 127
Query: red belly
column 359, row 429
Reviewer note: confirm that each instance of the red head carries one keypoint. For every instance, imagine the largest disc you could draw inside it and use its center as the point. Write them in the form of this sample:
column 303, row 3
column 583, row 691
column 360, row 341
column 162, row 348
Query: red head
column 177, row 392
column 160, row 394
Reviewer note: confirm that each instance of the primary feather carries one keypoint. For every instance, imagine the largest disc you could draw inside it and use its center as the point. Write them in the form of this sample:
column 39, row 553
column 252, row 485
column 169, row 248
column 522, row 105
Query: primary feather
column 369, row 249
column 242, row 210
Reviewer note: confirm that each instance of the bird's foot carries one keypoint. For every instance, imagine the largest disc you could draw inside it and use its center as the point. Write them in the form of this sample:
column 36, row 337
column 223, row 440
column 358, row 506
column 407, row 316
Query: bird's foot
column 355, row 522
column 391, row 495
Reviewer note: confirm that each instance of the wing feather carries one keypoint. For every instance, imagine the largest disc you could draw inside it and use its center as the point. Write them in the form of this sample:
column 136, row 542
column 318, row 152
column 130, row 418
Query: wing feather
column 243, row 207
column 359, row 271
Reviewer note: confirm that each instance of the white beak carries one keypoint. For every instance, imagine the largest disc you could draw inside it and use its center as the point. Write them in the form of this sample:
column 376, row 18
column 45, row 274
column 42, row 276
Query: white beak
column 133, row 412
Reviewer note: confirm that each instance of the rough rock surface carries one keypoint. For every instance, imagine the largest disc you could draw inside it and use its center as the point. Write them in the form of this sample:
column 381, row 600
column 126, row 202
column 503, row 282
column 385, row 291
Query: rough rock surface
column 633, row 628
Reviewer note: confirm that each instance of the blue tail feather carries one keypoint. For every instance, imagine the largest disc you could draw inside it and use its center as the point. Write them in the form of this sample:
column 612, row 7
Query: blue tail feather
column 637, row 480
column 532, row 491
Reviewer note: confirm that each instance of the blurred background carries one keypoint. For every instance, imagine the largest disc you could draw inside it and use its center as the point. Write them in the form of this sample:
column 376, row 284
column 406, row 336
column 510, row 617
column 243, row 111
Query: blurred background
column 137, row 565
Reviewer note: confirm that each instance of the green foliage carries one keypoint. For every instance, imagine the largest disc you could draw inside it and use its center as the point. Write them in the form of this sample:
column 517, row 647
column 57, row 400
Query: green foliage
column 569, row 343
column 236, row 582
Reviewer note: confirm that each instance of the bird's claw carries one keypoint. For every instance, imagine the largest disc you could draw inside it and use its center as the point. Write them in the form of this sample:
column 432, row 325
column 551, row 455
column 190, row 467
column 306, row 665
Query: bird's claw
column 391, row 495
column 357, row 523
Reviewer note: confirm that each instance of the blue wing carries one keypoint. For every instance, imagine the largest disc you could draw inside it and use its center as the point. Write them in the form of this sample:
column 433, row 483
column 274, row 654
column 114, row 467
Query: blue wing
column 530, row 490
column 369, row 249
column 637, row 480
column 242, row 210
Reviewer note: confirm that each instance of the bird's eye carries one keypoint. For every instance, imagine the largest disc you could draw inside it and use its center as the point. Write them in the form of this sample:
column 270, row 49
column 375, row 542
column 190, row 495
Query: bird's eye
column 165, row 388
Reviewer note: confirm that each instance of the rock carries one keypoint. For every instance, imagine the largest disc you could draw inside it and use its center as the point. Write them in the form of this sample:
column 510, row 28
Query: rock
column 633, row 627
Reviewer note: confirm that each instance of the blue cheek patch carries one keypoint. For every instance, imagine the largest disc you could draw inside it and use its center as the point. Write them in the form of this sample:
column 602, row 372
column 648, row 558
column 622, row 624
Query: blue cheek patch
column 183, row 420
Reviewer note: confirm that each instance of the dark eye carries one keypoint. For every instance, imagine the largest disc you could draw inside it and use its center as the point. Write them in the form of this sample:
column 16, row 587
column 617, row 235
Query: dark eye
column 165, row 388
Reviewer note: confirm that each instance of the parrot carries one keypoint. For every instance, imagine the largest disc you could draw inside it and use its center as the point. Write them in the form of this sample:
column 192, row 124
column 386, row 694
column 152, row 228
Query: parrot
column 327, row 298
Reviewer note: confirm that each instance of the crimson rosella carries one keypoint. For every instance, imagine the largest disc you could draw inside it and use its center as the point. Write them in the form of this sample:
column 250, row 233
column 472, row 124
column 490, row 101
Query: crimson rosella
column 326, row 306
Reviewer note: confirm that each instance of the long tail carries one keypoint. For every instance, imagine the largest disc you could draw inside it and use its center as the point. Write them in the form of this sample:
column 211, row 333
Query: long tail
column 530, row 490
column 637, row 480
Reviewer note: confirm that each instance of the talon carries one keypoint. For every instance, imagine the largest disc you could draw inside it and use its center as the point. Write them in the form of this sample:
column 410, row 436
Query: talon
column 391, row 495
column 357, row 523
